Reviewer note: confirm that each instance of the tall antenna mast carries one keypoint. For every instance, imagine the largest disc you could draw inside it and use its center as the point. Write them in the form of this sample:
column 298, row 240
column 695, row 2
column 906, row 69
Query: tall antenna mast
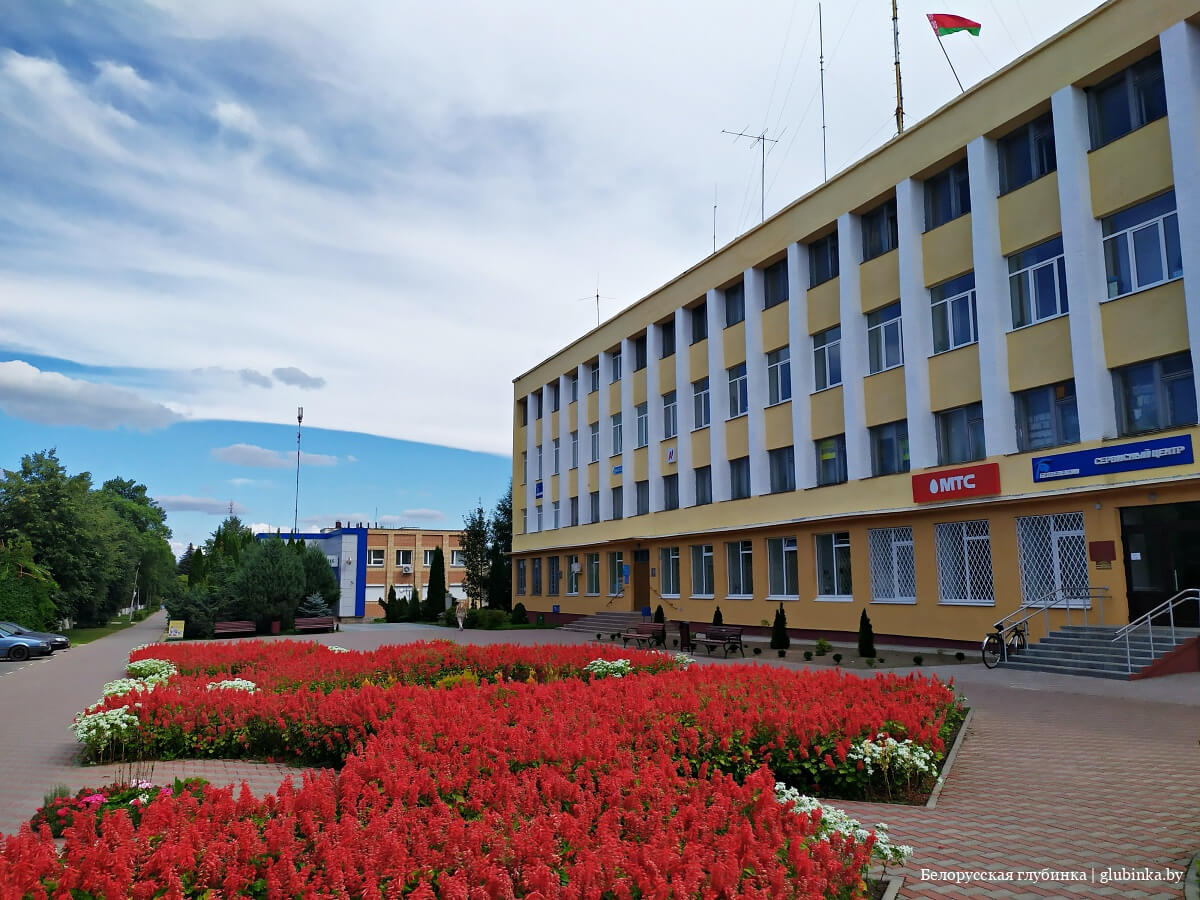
column 763, row 140
column 296, row 511
column 714, row 218
column 821, row 41
column 896, row 45
column 596, row 297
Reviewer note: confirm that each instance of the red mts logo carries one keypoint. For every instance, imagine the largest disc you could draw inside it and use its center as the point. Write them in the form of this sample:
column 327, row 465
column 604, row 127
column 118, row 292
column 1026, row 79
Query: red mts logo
column 954, row 484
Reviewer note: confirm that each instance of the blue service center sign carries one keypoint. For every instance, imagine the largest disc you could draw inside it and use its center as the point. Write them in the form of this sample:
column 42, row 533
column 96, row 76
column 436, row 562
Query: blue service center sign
column 1155, row 454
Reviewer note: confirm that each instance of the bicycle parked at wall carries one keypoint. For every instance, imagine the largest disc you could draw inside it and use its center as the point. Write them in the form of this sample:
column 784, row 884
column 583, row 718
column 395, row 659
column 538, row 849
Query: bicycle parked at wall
column 998, row 645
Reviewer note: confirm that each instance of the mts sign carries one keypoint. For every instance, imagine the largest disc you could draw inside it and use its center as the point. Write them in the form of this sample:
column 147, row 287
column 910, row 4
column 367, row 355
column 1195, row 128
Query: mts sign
column 955, row 484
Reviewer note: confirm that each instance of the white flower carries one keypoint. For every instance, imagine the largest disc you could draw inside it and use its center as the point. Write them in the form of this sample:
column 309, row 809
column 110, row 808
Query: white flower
column 233, row 684
column 96, row 730
column 834, row 820
column 334, row 648
column 682, row 660
column 892, row 757
column 130, row 686
column 609, row 668
column 151, row 668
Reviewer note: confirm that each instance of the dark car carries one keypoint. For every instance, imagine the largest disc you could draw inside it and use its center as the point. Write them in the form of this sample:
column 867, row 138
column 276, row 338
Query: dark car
column 19, row 647
column 56, row 641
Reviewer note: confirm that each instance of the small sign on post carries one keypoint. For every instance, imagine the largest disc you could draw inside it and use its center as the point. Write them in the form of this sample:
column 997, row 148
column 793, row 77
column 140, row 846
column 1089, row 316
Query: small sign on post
column 175, row 630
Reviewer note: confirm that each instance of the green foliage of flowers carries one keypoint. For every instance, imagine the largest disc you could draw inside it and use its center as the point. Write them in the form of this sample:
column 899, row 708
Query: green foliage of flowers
column 151, row 668
column 61, row 811
column 837, row 821
column 104, row 729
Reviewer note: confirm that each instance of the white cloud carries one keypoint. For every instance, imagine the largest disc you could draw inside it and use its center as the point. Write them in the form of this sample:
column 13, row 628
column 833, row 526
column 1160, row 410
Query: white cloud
column 251, row 376
column 250, row 482
column 210, row 505
column 261, row 457
column 297, row 378
column 268, row 528
column 51, row 398
column 422, row 514
column 123, row 78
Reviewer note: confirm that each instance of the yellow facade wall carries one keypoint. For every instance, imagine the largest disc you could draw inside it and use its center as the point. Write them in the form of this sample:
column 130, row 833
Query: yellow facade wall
column 777, row 422
column 954, row 378
column 883, row 397
column 1040, row 354
column 593, row 407
column 879, row 281
column 947, row 250
column 828, row 413
column 1130, row 169
column 593, row 477
column 698, row 360
column 733, row 344
column 1144, row 325
column 663, row 466
column 824, row 306
column 701, row 447
column 774, row 327
column 614, row 400
column 615, row 479
column 1029, row 215
column 737, row 443
column 641, row 469
column 639, row 386
column 666, row 374
column 554, row 425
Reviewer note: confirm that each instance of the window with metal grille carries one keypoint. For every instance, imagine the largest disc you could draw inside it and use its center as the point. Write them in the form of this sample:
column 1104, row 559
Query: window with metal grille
column 782, row 580
column 1052, row 555
column 964, row 563
column 739, row 561
column 702, row 570
column 668, row 567
column 893, row 567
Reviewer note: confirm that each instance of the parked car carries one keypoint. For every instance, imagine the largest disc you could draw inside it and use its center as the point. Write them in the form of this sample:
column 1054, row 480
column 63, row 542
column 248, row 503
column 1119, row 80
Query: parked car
column 56, row 641
column 19, row 647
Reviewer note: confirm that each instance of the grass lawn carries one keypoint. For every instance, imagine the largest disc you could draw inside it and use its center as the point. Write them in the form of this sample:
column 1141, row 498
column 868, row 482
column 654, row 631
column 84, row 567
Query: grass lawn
column 87, row 635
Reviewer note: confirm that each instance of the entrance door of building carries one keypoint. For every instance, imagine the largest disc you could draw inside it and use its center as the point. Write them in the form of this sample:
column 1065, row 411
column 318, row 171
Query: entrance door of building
column 640, row 580
column 1162, row 557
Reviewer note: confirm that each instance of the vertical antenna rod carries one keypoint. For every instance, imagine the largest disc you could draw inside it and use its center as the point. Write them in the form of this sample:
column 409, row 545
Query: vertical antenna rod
column 821, row 40
column 899, row 92
column 764, row 140
column 714, row 218
column 296, row 511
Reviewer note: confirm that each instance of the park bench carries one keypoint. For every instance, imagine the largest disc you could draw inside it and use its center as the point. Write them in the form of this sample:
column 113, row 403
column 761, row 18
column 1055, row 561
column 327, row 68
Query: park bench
column 727, row 637
column 316, row 623
column 648, row 633
column 234, row 628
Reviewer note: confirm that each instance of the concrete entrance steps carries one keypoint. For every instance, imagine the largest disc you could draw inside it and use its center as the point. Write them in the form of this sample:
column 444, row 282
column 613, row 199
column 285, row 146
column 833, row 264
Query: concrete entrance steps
column 604, row 623
column 1089, row 650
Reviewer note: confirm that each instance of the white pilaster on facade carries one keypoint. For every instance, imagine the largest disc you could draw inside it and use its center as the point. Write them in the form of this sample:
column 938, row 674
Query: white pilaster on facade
column 654, row 422
column 993, row 310
column 531, row 433
column 605, row 416
column 917, row 323
column 684, row 409
column 1083, row 256
column 628, row 431
column 854, row 346
column 801, row 351
column 583, row 375
column 564, row 453
column 1180, row 45
column 718, row 395
column 754, row 287
column 547, row 458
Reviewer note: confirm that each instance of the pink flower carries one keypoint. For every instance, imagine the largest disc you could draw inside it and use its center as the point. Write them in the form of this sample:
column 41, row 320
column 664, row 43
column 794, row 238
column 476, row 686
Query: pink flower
column 92, row 800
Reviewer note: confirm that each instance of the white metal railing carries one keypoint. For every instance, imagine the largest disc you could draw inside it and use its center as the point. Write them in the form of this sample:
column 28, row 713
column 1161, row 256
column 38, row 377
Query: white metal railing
column 1166, row 608
column 1063, row 597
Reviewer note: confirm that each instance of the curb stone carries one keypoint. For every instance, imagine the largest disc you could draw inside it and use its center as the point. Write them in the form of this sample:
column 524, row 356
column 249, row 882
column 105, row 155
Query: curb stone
column 953, row 754
column 1191, row 879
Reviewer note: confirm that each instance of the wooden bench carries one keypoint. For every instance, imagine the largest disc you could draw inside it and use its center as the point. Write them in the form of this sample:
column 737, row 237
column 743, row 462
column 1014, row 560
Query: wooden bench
column 727, row 637
column 234, row 628
column 648, row 633
column 316, row 623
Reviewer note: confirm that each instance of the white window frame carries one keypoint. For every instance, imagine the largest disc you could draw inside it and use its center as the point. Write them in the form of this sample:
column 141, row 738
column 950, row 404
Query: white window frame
column 1066, row 539
column 554, row 450
column 592, row 573
column 949, row 535
column 376, row 556
column 1125, row 237
column 617, row 443
column 539, row 462
column 702, row 571
column 575, row 449
column 739, row 570
column 642, row 417
column 521, row 578
column 779, row 375
column 668, row 567
column 555, row 511
column 821, row 354
column 838, row 540
column 782, row 563
column 615, row 367
column 739, row 391
column 701, row 408
column 404, row 557
column 1027, row 274
column 456, row 559
column 427, row 555
column 594, row 440
column 948, row 303
column 595, row 379
column 616, row 572
column 573, row 380
column 877, row 337
column 890, row 551
column 572, row 574
column 540, row 527
column 670, row 415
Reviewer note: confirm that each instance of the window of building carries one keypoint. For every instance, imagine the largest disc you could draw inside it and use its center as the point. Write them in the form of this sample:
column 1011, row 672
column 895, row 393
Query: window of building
column 642, row 414
column 739, row 568
column 782, row 579
column 573, row 386
column 699, row 322
column 595, row 441
column 535, row 576
column 540, row 527
column 833, row 565
column 703, row 485
column 739, row 478
column 539, row 462
column 594, row 506
column 1026, row 154
column 554, row 456
column 427, row 555
column 523, row 411
column 618, row 502
column 885, row 339
column 739, row 395
column 615, row 367
column 735, row 303
column 643, row 497
column 615, row 421
column 552, row 575
column 700, row 406
column 555, row 399
column 1047, row 416
column 670, row 415
column 671, row 491
column 954, row 321
column 521, row 576
column 573, row 571
column 823, row 259
column 1156, row 394
column 1127, row 101
column 947, row 196
column 554, row 514
column 880, row 232
column 457, row 559
column 889, row 448
column 964, row 563
column 960, row 434
column 1052, row 556
column 404, row 557
column 639, row 353
column 667, row 337
column 595, row 376
column 782, row 463
column 524, row 467
column 375, row 557
column 1141, row 246
column 574, row 449
column 831, row 460
column 616, row 571
column 779, row 375
column 537, row 404
column 1037, row 283
column 775, row 284
column 702, row 570
column 827, row 358
column 893, row 566
column 574, row 501
column 593, row 573
column 668, row 567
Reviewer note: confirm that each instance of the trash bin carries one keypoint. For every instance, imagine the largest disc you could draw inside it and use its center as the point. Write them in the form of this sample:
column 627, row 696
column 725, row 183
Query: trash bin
column 685, row 637
column 541, row 619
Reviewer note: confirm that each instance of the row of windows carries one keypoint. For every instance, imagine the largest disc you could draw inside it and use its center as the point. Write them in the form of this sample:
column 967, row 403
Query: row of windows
column 376, row 557
column 1051, row 556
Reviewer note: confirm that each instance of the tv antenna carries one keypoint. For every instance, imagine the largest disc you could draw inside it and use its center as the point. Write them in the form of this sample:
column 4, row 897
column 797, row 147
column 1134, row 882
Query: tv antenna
column 595, row 298
column 763, row 140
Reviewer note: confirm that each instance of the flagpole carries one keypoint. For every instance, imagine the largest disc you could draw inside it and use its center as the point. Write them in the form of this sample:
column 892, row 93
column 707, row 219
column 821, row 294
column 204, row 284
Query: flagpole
column 896, row 45
column 961, row 89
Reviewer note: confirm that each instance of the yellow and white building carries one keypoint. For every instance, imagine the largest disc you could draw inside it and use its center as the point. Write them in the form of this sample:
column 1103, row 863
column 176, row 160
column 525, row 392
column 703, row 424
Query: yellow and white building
column 954, row 378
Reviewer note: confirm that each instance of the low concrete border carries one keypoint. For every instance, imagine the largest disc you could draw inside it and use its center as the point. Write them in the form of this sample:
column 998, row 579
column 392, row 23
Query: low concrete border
column 894, row 883
column 1191, row 879
column 945, row 773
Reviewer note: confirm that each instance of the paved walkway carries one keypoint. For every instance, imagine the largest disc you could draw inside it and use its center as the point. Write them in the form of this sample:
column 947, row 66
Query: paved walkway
column 1056, row 773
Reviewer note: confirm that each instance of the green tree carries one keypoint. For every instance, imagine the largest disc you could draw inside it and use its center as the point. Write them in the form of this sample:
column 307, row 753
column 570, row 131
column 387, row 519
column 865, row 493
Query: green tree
column 184, row 566
column 499, row 590
column 25, row 588
column 866, row 637
column 435, row 591
column 197, row 568
column 269, row 583
column 318, row 574
column 476, row 555
column 780, row 639
column 413, row 613
column 391, row 606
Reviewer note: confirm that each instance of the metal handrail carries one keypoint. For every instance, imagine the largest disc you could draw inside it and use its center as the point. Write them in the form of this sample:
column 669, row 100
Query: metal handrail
column 1168, row 607
column 1049, row 601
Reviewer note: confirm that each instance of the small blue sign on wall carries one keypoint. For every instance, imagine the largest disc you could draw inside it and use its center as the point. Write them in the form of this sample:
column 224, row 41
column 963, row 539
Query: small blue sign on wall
column 537, row 491
column 1154, row 454
column 617, row 470
column 625, row 572
column 554, row 609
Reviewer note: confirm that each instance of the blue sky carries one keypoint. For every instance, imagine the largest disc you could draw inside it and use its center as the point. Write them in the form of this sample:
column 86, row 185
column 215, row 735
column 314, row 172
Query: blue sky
column 212, row 213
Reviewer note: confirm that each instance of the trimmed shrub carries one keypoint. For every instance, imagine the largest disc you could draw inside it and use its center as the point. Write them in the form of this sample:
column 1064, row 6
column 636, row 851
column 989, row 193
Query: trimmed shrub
column 780, row 639
column 717, row 618
column 520, row 617
column 866, row 637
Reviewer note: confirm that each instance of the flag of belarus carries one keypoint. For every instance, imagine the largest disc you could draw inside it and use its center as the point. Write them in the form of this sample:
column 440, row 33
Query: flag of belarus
column 944, row 24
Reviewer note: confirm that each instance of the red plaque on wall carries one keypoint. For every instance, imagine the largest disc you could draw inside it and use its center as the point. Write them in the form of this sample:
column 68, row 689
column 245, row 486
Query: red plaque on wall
column 956, row 484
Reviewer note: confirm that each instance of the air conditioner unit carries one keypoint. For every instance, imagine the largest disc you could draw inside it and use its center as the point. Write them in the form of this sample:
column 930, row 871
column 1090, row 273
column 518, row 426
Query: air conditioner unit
column 406, row 570
column 576, row 568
